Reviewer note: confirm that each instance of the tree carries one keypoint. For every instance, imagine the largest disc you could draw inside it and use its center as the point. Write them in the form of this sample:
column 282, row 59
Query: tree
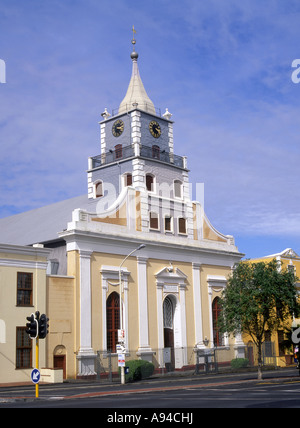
column 259, row 297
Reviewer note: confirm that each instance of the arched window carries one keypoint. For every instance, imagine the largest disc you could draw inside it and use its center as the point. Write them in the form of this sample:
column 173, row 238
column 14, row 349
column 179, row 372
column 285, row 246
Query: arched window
column 118, row 151
column 112, row 320
column 155, row 152
column 216, row 311
column 99, row 189
column 168, row 313
column 150, row 182
column 177, row 189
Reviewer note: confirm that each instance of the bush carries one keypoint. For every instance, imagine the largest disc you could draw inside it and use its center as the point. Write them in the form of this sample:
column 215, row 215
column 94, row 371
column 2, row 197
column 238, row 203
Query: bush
column 239, row 363
column 138, row 369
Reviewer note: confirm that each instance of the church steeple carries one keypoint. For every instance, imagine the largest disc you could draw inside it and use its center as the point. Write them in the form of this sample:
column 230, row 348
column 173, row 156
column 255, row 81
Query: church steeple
column 136, row 96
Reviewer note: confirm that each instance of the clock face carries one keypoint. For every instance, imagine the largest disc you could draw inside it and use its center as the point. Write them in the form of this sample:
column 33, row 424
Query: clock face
column 155, row 129
column 118, row 128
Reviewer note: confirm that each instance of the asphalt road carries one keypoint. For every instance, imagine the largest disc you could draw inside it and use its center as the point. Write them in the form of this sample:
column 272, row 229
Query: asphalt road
column 157, row 399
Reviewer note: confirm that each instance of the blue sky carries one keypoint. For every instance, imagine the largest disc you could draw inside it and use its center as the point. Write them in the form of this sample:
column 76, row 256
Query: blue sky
column 221, row 67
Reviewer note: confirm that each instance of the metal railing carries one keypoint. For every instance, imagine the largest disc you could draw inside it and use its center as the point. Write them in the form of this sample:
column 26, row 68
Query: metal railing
column 127, row 152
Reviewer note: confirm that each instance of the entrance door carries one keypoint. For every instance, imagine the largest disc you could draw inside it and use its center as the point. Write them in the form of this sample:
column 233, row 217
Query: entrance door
column 168, row 332
column 60, row 363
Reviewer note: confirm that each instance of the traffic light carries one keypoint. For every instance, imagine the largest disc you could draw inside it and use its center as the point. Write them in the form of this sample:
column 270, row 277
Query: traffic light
column 32, row 326
column 43, row 326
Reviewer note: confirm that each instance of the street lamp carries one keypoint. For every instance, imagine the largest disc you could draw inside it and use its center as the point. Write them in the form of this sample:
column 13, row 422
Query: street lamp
column 121, row 314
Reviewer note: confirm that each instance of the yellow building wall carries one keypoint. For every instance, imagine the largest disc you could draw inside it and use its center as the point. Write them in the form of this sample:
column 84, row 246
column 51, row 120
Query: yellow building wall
column 278, row 360
column 153, row 267
column 61, row 314
column 13, row 316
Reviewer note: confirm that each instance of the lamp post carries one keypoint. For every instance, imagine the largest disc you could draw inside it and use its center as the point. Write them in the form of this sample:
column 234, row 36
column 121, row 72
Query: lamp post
column 121, row 314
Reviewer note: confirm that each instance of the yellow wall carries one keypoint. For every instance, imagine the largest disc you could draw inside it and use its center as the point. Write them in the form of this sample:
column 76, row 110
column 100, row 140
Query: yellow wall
column 14, row 316
column 61, row 313
column 279, row 360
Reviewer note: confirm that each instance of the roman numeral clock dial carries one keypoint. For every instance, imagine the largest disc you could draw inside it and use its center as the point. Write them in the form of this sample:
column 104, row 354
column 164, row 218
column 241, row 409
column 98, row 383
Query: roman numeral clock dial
column 155, row 129
column 118, row 128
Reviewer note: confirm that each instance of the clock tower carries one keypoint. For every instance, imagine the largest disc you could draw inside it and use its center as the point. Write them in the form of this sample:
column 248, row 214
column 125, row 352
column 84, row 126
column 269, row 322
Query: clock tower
column 137, row 150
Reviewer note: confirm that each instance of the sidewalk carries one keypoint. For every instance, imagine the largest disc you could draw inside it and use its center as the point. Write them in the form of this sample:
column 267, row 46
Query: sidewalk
column 244, row 375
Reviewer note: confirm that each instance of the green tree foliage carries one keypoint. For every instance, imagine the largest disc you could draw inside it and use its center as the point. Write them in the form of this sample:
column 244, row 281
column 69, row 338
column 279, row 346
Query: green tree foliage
column 259, row 297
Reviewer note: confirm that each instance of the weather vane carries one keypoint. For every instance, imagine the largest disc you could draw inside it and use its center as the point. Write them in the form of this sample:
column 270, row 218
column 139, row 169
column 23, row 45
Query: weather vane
column 133, row 41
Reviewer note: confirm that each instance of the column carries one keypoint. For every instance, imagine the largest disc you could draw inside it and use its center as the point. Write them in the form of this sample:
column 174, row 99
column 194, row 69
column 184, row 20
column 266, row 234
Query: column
column 86, row 356
column 197, row 305
column 104, row 321
column 144, row 351
column 182, row 289
column 160, row 322
column 211, row 331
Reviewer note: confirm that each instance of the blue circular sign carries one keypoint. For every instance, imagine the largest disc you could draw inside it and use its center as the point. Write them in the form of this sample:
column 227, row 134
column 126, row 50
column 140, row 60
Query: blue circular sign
column 35, row 376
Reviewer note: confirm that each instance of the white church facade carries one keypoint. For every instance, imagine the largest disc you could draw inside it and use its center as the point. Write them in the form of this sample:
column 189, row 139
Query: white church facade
column 135, row 254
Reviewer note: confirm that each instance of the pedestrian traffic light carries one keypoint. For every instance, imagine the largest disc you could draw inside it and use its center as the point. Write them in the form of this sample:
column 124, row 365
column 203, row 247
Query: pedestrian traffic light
column 43, row 326
column 32, row 326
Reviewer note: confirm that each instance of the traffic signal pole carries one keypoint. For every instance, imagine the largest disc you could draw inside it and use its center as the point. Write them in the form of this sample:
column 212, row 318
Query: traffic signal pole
column 37, row 364
column 37, row 328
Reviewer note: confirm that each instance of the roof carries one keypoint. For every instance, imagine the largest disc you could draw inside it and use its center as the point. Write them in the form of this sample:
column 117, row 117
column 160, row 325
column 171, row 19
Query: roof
column 136, row 93
column 40, row 225
column 288, row 252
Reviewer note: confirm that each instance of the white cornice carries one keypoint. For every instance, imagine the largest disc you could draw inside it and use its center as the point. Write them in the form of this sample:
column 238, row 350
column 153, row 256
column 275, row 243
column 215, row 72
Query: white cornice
column 24, row 250
column 83, row 240
column 27, row 264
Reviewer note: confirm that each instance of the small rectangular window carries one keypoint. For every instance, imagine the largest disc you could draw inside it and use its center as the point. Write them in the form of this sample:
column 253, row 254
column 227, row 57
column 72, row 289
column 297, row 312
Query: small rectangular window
column 24, row 289
column 168, row 224
column 182, row 225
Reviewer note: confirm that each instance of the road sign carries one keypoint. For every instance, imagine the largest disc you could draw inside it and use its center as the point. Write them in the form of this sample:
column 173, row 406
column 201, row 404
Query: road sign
column 121, row 360
column 35, row 376
column 120, row 349
column 121, row 335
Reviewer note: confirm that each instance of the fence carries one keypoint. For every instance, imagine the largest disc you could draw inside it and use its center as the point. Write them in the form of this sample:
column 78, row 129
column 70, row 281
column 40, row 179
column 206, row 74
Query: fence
column 168, row 361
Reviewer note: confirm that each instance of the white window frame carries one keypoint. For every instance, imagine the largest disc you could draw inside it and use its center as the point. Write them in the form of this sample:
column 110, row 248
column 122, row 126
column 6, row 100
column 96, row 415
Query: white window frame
column 172, row 223
column 95, row 184
column 181, row 189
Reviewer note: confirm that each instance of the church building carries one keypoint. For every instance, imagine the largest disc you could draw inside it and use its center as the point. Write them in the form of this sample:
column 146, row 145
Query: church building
column 135, row 260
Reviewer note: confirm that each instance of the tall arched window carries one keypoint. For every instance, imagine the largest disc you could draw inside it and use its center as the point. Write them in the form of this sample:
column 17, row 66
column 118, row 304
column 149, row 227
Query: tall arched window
column 168, row 313
column 216, row 311
column 112, row 320
column 118, row 151
column 178, row 189
column 98, row 189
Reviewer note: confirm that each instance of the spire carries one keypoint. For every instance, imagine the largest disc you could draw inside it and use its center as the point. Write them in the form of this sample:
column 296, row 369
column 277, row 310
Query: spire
column 136, row 95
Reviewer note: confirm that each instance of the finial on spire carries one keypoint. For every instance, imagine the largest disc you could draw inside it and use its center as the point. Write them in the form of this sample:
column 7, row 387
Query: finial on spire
column 133, row 41
column 134, row 55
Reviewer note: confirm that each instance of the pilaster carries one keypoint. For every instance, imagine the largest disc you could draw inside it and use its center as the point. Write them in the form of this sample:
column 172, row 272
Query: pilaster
column 86, row 356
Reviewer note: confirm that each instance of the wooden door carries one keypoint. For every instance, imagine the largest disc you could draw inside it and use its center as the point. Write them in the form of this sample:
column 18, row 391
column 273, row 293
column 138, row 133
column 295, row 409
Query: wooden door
column 60, row 363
